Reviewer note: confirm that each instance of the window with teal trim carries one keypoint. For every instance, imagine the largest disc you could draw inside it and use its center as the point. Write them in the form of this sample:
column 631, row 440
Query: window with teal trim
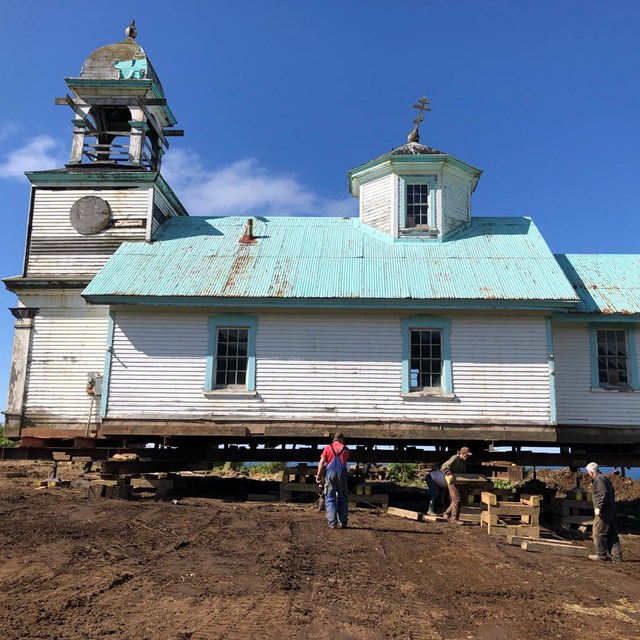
column 426, row 356
column 231, row 361
column 613, row 358
column 417, row 202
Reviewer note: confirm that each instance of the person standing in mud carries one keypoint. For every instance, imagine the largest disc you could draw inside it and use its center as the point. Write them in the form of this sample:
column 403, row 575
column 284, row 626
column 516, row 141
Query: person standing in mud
column 455, row 464
column 605, row 534
column 333, row 465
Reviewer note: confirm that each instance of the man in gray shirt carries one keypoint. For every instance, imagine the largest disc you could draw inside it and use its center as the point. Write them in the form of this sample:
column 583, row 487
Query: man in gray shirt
column 605, row 534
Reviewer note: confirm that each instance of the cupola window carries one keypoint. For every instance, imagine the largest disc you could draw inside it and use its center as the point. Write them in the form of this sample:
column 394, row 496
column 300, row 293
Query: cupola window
column 417, row 202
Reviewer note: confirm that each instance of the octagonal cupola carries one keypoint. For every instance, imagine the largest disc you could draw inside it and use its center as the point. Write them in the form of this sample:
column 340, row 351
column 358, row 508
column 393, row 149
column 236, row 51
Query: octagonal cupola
column 415, row 191
column 122, row 119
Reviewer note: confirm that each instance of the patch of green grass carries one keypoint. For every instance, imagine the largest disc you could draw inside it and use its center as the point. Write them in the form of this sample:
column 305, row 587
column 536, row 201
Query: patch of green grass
column 265, row 468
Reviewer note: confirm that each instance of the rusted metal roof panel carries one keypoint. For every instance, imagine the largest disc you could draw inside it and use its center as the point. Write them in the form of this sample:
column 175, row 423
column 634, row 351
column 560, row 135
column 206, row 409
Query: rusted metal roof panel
column 605, row 283
column 336, row 258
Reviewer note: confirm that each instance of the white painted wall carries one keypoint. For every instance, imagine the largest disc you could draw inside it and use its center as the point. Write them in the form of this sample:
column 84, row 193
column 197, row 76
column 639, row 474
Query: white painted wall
column 56, row 248
column 68, row 341
column 576, row 402
column 456, row 201
column 328, row 365
column 376, row 203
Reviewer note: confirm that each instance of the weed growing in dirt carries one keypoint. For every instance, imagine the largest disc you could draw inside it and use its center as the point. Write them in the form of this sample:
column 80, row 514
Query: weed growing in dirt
column 5, row 442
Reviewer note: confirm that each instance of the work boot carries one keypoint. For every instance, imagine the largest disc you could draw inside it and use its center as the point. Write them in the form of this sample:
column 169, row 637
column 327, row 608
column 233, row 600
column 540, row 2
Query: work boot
column 595, row 556
column 431, row 512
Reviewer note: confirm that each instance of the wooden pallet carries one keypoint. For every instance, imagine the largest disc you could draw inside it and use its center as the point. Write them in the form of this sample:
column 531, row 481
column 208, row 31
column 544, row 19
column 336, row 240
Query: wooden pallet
column 502, row 518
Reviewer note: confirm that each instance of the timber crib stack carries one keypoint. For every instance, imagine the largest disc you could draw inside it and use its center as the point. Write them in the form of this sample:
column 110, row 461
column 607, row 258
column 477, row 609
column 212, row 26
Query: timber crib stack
column 299, row 483
column 575, row 511
column 501, row 518
column 471, row 510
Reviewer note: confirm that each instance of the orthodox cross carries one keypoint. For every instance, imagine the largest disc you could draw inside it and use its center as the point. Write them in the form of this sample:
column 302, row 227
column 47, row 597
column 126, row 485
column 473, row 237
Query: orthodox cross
column 421, row 106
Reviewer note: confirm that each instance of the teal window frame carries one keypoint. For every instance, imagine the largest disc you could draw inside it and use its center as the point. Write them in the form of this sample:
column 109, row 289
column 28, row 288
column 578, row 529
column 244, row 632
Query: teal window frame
column 231, row 321
column 405, row 181
column 632, row 357
column 427, row 322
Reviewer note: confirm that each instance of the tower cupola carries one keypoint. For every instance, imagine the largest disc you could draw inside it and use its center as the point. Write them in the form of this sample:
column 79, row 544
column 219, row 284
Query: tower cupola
column 414, row 191
column 122, row 119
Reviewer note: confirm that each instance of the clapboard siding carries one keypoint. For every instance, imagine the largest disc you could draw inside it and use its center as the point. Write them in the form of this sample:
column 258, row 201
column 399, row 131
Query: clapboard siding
column 56, row 248
column 323, row 366
column 376, row 198
column 66, row 344
column 576, row 403
column 456, row 202
column 162, row 210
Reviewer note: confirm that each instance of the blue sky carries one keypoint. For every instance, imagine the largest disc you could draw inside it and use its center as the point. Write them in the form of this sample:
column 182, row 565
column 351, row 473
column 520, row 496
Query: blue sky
column 279, row 99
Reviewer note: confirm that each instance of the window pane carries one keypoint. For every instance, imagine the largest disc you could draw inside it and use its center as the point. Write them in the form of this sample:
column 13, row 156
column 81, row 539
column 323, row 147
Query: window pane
column 613, row 363
column 426, row 359
column 231, row 362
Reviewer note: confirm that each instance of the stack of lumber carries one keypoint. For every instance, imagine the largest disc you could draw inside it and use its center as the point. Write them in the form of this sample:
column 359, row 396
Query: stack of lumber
column 504, row 518
column 574, row 511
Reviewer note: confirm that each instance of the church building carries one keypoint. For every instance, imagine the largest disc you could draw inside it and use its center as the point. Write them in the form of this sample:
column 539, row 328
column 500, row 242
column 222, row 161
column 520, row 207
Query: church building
column 414, row 322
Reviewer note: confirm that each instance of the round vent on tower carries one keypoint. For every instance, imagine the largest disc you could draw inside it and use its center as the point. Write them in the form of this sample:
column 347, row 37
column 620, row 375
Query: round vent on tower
column 90, row 215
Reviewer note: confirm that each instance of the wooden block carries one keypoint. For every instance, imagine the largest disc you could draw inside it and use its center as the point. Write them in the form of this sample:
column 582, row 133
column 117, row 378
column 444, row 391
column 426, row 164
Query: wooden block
column 534, row 501
column 531, row 519
column 489, row 498
column 60, row 456
column 120, row 492
column 511, row 529
column 514, row 509
column 518, row 540
column 426, row 517
column 552, row 547
column 405, row 513
column 96, row 490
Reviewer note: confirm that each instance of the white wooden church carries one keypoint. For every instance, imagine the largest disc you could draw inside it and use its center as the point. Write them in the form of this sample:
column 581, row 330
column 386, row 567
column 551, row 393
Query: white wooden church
column 416, row 321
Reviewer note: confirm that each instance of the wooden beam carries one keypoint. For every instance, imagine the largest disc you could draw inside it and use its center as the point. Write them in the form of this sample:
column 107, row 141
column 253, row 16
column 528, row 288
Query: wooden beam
column 555, row 548
column 177, row 133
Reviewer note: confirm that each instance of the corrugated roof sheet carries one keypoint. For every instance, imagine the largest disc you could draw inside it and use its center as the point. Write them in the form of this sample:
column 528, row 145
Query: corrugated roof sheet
column 336, row 258
column 604, row 283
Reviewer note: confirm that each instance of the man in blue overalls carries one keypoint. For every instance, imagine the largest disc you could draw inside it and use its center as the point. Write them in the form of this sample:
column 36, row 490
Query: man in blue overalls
column 333, row 462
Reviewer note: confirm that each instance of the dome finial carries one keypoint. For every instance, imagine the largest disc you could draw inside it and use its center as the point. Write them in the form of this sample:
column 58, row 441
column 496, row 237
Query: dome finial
column 422, row 105
column 131, row 31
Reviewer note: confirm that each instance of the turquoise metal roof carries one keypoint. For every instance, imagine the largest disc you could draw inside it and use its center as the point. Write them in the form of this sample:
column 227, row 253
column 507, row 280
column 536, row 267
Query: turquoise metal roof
column 493, row 259
column 604, row 283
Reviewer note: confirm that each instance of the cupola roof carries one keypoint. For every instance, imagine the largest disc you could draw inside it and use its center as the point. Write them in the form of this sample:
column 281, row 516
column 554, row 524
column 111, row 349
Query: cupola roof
column 121, row 60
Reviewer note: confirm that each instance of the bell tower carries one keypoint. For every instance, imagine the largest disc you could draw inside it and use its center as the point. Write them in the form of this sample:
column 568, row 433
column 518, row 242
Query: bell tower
column 121, row 114
column 111, row 191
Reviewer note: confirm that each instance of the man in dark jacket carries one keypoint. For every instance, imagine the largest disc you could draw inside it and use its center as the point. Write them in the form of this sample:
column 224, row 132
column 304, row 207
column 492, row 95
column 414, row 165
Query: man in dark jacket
column 605, row 534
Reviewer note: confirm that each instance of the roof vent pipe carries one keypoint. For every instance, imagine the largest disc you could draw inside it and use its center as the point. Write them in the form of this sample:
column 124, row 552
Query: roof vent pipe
column 248, row 237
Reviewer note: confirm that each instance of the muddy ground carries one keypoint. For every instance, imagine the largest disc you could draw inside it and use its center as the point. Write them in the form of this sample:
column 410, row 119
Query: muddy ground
column 72, row 568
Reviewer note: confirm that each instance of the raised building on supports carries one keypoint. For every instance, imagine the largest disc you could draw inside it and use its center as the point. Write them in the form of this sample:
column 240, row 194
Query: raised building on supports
column 414, row 323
